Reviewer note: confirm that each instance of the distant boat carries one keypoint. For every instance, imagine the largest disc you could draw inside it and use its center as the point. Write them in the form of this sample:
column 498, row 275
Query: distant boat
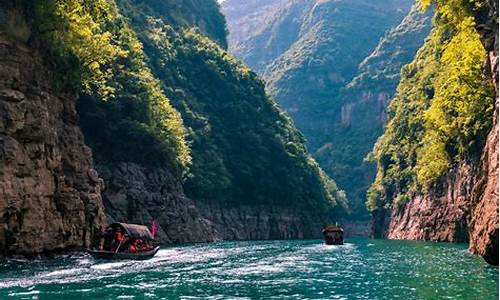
column 125, row 241
column 333, row 235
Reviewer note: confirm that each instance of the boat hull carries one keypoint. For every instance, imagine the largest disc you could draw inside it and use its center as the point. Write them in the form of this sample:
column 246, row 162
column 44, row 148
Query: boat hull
column 110, row 255
column 330, row 242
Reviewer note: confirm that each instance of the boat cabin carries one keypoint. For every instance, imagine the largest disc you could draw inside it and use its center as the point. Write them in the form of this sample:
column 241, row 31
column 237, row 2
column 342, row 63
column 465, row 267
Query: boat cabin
column 122, row 240
column 333, row 235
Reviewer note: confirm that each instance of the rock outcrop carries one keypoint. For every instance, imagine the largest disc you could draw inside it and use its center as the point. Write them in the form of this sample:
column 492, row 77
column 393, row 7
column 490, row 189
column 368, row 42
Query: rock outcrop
column 442, row 214
column 136, row 194
column 484, row 226
column 141, row 195
column 50, row 195
column 263, row 222
column 463, row 205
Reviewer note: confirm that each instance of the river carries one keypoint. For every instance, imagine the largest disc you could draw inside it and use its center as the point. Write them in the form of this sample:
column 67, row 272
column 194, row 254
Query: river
column 299, row 269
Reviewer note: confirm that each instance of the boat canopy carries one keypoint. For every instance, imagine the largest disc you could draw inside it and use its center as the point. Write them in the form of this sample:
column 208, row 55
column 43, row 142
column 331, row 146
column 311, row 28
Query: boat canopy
column 333, row 228
column 133, row 230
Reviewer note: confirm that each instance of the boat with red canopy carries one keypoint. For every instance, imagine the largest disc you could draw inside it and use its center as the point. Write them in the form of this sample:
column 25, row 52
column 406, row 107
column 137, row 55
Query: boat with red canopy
column 126, row 241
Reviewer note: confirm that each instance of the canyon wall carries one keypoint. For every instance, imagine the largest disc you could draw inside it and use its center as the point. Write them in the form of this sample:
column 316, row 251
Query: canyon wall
column 50, row 194
column 250, row 172
column 484, row 225
column 263, row 222
column 251, row 175
column 463, row 205
column 140, row 195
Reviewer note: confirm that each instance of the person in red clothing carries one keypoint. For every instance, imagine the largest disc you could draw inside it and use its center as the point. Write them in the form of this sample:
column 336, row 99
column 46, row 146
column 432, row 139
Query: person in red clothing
column 132, row 247
column 118, row 239
column 119, row 235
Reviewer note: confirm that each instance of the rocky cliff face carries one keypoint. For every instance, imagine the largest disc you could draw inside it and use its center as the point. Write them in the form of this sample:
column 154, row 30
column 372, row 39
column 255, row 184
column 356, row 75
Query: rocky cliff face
column 483, row 229
column 140, row 195
column 49, row 192
column 463, row 205
column 443, row 214
column 484, row 226
column 263, row 222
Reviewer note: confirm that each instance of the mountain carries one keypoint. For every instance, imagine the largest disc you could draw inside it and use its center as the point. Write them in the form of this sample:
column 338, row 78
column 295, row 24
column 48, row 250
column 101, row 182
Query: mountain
column 437, row 160
column 251, row 174
column 133, row 111
column 260, row 31
column 333, row 66
column 205, row 15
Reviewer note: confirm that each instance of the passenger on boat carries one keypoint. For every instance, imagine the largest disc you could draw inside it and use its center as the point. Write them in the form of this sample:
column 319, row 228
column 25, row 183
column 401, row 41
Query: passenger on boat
column 132, row 248
column 120, row 239
column 119, row 235
column 140, row 245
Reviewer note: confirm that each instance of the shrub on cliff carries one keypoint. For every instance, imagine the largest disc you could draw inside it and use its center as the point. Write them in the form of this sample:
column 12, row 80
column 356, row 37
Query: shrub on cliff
column 441, row 113
column 126, row 100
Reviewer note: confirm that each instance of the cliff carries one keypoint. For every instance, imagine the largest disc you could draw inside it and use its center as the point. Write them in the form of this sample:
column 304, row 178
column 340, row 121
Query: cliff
column 462, row 206
column 50, row 194
column 484, row 226
column 141, row 195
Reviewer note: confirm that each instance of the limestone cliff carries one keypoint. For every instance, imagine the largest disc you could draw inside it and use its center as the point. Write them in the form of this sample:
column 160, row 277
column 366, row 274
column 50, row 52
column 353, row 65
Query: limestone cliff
column 263, row 222
column 141, row 195
column 463, row 205
column 50, row 195
column 484, row 226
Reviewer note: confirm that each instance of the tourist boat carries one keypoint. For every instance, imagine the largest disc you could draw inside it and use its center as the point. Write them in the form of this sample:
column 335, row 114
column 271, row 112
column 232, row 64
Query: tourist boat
column 333, row 235
column 136, row 243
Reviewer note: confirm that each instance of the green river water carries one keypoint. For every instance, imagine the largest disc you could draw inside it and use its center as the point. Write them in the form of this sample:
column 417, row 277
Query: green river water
column 308, row 269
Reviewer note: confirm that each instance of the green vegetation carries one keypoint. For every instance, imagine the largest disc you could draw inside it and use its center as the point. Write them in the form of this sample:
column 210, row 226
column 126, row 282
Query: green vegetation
column 333, row 65
column 245, row 149
column 124, row 112
column 202, row 14
column 78, row 33
column 134, row 61
column 441, row 113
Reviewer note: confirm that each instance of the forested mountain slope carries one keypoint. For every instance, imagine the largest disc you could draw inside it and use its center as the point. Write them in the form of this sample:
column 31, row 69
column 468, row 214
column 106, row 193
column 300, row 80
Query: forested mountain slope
column 249, row 163
column 438, row 157
column 165, row 111
column 333, row 65
column 260, row 31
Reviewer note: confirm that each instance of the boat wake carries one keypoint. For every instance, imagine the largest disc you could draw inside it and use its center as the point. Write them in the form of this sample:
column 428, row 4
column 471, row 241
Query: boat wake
column 242, row 269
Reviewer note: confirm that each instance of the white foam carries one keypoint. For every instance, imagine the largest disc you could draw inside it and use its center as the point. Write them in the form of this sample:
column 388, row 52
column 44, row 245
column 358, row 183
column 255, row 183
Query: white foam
column 62, row 272
column 35, row 292
column 110, row 266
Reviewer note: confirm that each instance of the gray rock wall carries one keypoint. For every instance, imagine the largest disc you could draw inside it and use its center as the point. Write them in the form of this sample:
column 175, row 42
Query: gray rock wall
column 50, row 195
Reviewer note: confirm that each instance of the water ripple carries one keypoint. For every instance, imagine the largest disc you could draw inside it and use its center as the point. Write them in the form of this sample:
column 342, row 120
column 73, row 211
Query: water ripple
column 361, row 269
